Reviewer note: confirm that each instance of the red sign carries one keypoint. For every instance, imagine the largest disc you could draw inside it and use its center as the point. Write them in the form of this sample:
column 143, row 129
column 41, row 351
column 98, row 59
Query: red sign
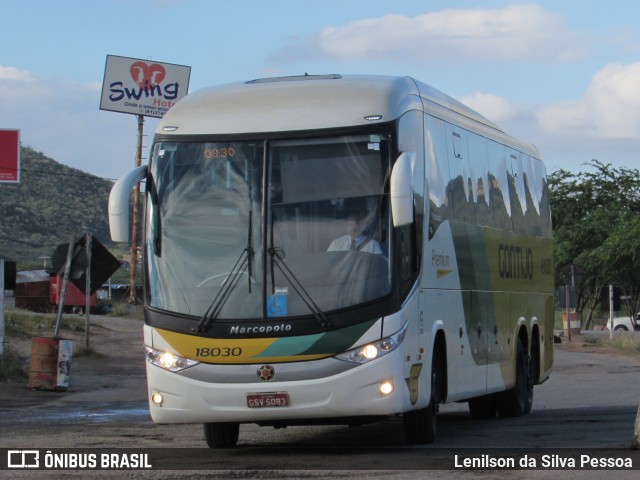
column 9, row 156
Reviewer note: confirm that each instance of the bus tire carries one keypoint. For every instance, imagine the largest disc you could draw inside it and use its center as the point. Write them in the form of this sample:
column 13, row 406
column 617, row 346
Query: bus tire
column 534, row 372
column 420, row 425
column 221, row 435
column 513, row 402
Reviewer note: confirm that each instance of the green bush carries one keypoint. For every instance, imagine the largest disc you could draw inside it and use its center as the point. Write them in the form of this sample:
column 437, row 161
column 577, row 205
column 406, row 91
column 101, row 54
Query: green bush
column 12, row 367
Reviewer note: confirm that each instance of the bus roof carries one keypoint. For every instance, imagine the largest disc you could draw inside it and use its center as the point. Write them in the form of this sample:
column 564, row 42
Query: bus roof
column 312, row 102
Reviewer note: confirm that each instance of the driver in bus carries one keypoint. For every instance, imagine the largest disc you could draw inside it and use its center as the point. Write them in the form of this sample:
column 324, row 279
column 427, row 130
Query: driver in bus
column 356, row 239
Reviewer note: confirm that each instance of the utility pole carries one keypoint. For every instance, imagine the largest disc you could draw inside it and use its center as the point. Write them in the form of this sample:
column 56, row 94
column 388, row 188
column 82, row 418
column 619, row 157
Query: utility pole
column 136, row 201
column 65, row 282
column 567, row 290
column 611, row 303
column 89, row 239
column 1, row 307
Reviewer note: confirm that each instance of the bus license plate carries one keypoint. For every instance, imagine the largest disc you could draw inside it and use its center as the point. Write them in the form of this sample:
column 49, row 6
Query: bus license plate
column 267, row 399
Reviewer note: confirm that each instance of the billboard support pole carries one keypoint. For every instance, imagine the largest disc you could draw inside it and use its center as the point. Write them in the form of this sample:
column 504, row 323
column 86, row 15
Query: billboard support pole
column 136, row 201
column 87, row 294
column 65, row 282
column 2, row 328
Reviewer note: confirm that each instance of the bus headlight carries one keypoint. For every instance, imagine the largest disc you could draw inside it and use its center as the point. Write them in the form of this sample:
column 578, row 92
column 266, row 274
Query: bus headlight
column 371, row 351
column 167, row 360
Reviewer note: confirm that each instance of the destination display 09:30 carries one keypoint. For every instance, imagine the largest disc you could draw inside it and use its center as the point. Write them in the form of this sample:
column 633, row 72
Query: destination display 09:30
column 221, row 152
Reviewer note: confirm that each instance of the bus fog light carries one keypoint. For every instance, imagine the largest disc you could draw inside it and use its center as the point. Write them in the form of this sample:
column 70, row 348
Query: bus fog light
column 157, row 399
column 386, row 388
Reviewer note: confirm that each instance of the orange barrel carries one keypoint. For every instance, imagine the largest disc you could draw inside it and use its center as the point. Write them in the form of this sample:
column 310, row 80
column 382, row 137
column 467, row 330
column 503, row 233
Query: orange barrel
column 574, row 323
column 50, row 363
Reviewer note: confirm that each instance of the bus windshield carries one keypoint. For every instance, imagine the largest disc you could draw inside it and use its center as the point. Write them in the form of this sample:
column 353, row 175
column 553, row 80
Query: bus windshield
column 269, row 229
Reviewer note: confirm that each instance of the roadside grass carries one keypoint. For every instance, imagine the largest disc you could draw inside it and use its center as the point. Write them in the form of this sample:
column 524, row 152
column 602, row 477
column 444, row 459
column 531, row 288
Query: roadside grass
column 622, row 342
column 25, row 324
column 127, row 310
column 11, row 366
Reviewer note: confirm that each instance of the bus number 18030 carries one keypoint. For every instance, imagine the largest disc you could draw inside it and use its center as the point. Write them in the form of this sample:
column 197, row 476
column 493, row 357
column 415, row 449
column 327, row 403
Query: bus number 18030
column 218, row 352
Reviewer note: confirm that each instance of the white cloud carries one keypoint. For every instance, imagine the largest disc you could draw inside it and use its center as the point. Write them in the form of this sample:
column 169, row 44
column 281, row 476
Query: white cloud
column 603, row 123
column 495, row 108
column 609, row 109
column 12, row 73
column 518, row 33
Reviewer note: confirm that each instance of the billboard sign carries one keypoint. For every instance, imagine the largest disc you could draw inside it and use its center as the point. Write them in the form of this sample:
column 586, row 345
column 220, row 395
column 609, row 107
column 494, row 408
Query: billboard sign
column 142, row 87
column 9, row 156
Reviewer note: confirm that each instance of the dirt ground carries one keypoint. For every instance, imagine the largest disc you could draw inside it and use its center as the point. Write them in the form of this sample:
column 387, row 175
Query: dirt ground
column 116, row 371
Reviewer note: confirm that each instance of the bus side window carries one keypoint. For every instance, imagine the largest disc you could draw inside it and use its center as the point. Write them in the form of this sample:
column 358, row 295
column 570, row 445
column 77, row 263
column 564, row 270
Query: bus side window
column 437, row 168
column 545, row 210
column 499, row 200
column 516, row 190
column 479, row 168
column 459, row 188
column 534, row 192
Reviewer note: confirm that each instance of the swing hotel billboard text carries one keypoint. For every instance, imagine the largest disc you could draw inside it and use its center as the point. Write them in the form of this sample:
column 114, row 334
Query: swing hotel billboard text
column 142, row 87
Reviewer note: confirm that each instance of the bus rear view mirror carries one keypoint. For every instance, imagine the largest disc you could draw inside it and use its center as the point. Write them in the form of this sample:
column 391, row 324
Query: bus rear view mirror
column 401, row 190
column 119, row 203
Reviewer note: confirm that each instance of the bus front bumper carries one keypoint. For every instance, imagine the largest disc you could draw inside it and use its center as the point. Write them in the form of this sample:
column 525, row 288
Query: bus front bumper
column 360, row 391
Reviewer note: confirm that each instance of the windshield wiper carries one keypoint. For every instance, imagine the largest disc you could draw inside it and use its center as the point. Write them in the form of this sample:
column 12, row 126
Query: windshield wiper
column 242, row 265
column 277, row 259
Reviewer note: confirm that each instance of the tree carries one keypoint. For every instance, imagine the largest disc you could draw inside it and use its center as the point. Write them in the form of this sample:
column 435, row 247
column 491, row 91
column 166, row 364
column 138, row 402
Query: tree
column 596, row 218
column 619, row 255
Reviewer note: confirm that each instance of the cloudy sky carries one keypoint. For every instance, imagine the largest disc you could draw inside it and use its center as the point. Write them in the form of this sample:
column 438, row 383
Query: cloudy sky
column 563, row 75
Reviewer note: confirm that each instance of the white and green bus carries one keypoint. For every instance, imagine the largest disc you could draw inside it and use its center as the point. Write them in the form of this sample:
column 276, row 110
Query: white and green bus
column 338, row 250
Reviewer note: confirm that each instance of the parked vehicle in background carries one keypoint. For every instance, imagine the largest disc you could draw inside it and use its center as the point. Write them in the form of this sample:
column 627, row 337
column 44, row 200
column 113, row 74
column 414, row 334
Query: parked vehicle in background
column 625, row 324
column 74, row 300
column 39, row 291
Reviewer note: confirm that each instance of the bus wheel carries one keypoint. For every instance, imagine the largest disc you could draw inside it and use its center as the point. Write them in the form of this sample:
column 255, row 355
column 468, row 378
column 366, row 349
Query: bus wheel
column 221, row 435
column 534, row 372
column 420, row 425
column 483, row 407
column 513, row 403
